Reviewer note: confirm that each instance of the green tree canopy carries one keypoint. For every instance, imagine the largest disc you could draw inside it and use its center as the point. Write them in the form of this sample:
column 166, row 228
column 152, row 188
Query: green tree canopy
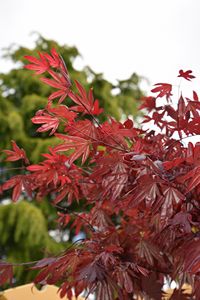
column 24, row 236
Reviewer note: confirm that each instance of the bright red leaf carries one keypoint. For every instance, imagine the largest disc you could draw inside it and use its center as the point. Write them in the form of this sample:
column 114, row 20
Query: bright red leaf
column 39, row 65
column 163, row 89
column 81, row 146
column 49, row 123
column 16, row 153
column 85, row 102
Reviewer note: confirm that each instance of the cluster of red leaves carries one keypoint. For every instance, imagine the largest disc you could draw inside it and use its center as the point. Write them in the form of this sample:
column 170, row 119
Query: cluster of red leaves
column 143, row 188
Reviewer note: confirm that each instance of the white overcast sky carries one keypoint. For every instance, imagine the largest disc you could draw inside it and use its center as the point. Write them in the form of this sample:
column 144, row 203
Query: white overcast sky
column 154, row 38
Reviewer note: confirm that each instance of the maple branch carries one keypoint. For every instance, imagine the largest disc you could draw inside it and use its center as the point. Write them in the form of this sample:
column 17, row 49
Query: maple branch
column 96, row 140
column 21, row 264
column 127, row 234
column 179, row 85
column 2, row 170
column 2, row 263
column 176, row 141
column 67, row 210
column 157, row 270
column 98, row 123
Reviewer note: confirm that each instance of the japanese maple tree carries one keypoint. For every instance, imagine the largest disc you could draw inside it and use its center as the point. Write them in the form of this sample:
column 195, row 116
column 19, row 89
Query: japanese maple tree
column 140, row 188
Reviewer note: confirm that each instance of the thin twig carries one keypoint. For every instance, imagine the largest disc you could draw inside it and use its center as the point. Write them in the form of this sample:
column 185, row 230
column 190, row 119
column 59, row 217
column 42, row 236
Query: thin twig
column 67, row 210
column 97, row 122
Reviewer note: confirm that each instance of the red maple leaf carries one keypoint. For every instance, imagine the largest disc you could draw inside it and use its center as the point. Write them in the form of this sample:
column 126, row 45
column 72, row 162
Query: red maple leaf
column 59, row 82
column 173, row 163
column 164, row 89
column 52, row 170
column 84, row 129
column 16, row 153
column 39, row 65
column 85, row 102
column 146, row 250
column 62, row 112
column 49, row 123
column 6, row 273
column 15, row 183
column 187, row 74
column 149, row 103
column 81, row 146
column 53, row 59
column 194, row 178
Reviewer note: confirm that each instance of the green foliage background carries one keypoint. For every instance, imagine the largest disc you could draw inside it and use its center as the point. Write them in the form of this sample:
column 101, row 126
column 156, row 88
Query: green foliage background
column 24, row 226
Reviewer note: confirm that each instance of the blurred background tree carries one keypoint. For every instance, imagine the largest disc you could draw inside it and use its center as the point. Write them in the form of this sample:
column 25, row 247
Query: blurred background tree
column 25, row 226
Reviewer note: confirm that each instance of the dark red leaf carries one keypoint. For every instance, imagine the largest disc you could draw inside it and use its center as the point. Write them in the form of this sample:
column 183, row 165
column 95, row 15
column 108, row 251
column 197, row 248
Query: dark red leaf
column 6, row 273
column 187, row 74
column 149, row 103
